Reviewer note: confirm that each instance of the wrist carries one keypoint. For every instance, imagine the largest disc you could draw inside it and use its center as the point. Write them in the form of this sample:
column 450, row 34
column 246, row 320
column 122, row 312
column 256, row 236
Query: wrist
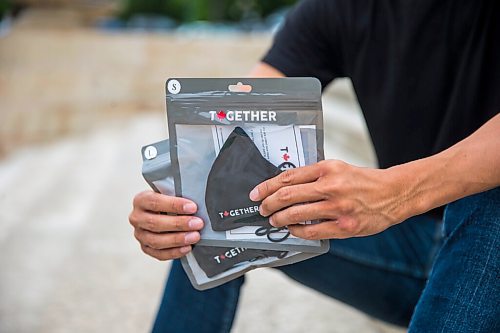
column 430, row 182
column 468, row 167
column 414, row 184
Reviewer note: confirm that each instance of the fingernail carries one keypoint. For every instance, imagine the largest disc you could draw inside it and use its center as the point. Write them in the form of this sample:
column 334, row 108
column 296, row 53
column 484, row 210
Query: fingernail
column 254, row 194
column 185, row 249
column 271, row 221
column 195, row 223
column 191, row 237
column 260, row 210
column 189, row 208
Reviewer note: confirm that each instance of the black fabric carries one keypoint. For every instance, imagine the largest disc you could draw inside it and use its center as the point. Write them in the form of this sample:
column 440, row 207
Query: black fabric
column 214, row 260
column 238, row 168
column 426, row 72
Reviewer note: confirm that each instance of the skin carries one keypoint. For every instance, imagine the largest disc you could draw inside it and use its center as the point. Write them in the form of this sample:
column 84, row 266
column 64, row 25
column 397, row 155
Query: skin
column 350, row 201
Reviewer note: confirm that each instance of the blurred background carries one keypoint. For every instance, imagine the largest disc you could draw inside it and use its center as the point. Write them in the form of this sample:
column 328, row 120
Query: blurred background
column 81, row 90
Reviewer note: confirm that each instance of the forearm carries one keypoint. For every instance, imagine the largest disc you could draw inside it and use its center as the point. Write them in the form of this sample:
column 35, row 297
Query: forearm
column 264, row 70
column 470, row 166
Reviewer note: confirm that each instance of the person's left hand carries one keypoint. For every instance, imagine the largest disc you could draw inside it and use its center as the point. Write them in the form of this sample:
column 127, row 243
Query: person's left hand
column 350, row 201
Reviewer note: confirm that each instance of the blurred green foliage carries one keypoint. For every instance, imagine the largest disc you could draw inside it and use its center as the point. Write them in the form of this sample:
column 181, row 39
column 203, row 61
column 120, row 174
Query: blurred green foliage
column 4, row 7
column 204, row 10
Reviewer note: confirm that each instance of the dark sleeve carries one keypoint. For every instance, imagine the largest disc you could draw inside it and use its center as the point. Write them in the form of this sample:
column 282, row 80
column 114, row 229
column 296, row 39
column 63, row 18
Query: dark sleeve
column 308, row 42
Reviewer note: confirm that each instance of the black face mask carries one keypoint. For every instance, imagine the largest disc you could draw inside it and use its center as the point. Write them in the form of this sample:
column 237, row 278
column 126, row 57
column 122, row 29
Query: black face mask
column 236, row 171
column 215, row 260
column 238, row 168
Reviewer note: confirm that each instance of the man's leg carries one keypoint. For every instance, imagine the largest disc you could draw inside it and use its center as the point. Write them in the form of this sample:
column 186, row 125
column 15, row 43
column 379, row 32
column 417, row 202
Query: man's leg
column 463, row 291
column 185, row 309
column 382, row 275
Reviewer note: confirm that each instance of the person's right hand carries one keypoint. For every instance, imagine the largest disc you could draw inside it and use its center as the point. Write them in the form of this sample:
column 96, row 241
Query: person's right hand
column 163, row 236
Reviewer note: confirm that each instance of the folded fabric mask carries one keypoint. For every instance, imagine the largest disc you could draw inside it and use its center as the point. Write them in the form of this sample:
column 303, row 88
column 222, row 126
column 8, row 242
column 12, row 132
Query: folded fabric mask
column 215, row 260
column 238, row 168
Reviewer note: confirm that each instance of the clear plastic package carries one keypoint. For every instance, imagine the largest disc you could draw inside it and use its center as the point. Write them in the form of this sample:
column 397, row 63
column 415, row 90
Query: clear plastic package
column 228, row 135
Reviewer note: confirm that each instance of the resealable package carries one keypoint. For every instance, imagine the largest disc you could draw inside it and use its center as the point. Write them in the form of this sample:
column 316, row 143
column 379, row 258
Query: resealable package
column 227, row 136
column 209, row 266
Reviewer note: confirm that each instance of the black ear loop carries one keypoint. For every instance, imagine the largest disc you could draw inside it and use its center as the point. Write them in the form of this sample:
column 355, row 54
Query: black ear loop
column 281, row 255
column 269, row 230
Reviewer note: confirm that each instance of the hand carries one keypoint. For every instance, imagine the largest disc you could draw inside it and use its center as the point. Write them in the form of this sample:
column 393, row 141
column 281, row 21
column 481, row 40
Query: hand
column 162, row 236
column 350, row 201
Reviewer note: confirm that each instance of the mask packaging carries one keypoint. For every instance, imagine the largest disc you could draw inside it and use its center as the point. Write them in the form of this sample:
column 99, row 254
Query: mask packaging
column 209, row 266
column 229, row 135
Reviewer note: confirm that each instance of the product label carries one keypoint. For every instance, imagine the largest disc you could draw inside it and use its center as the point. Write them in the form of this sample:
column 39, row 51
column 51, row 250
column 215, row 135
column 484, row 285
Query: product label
column 247, row 115
column 239, row 211
column 234, row 252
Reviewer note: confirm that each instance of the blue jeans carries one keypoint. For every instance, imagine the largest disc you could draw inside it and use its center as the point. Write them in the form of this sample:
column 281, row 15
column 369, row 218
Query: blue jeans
column 433, row 275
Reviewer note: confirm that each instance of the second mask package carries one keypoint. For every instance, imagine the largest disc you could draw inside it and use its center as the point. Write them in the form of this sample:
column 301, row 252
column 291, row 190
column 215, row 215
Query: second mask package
column 210, row 266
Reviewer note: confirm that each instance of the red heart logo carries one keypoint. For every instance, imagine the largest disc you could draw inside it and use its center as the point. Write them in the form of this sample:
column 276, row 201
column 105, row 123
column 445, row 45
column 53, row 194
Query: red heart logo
column 226, row 213
column 286, row 157
column 221, row 114
column 222, row 257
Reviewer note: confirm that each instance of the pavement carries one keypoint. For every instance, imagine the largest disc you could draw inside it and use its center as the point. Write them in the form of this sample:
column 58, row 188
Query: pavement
column 76, row 106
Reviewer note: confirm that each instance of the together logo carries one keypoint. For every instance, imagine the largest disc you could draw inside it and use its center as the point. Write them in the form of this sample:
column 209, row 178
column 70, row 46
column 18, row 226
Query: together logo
column 247, row 115
column 239, row 211
column 229, row 254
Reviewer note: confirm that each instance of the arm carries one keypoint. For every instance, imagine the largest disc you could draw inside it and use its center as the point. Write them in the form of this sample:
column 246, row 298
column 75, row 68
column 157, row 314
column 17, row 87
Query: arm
column 357, row 201
column 264, row 70
column 469, row 167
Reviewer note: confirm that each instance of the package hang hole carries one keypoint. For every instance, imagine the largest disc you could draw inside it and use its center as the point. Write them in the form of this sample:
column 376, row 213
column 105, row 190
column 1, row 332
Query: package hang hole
column 240, row 87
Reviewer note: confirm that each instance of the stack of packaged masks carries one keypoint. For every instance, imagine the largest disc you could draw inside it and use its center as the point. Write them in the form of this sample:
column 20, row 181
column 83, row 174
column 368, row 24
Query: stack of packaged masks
column 226, row 137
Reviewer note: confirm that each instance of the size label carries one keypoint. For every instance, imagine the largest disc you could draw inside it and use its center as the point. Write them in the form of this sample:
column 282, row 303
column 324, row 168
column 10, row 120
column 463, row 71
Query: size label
column 150, row 152
column 174, row 87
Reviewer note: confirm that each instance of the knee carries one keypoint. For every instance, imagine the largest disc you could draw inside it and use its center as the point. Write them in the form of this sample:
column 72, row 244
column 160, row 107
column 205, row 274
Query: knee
column 482, row 209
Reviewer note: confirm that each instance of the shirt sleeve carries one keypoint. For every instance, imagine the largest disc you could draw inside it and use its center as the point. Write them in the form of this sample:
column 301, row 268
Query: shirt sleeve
column 308, row 42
